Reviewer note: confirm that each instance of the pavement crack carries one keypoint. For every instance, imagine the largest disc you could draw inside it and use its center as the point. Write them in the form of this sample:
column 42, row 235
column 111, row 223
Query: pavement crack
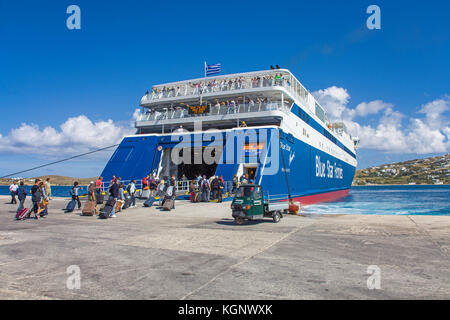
column 426, row 233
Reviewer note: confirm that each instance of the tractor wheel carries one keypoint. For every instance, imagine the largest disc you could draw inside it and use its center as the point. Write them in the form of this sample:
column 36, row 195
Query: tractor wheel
column 239, row 220
column 276, row 216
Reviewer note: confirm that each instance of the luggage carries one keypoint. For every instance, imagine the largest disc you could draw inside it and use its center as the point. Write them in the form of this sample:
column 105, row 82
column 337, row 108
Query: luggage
column 71, row 205
column 106, row 211
column 89, row 208
column 23, row 213
column 145, row 194
column 149, row 202
column 100, row 198
column 43, row 212
column 127, row 203
column 168, row 204
column 119, row 204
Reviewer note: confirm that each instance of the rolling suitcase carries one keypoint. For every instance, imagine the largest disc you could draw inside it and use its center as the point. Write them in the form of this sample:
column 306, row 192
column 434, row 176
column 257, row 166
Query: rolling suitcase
column 106, row 211
column 43, row 212
column 149, row 202
column 100, row 198
column 119, row 204
column 127, row 203
column 23, row 213
column 89, row 208
column 71, row 205
column 168, row 204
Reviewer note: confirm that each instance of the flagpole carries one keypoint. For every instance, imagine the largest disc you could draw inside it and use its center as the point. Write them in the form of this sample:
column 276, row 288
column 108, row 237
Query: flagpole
column 201, row 94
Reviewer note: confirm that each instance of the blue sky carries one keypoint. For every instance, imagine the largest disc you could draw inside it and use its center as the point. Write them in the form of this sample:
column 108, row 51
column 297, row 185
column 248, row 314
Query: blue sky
column 49, row 74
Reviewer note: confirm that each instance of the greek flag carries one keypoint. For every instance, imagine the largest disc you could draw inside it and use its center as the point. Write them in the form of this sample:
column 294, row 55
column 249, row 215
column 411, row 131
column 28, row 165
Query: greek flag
column 212, row 68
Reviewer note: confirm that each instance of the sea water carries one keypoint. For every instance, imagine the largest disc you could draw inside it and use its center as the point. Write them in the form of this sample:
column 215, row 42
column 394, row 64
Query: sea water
column 398, row 200
column 57, row 191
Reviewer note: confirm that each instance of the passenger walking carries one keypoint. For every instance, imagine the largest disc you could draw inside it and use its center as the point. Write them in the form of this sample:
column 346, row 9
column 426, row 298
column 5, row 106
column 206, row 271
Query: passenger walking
column 235, row 182
column 144, row 182
column 161, row 191
column 131, row 189
column 74, row 193
column 215, row 187
column 170, row 194
column 21, row 195
column 205, row 189
column 36, row 196
column 91, row 191
column 153, row 185
column 121, row 197
column 192, row 191
column 13, row 189
column 43, row 204
column 48, row 188
column 114, row 194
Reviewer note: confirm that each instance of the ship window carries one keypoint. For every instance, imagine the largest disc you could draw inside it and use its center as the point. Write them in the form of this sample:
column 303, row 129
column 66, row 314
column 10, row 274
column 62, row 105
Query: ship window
column 320, row 113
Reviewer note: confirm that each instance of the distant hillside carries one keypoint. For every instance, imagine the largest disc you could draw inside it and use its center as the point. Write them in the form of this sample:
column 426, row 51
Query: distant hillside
column 435, row 170
column 54, row 180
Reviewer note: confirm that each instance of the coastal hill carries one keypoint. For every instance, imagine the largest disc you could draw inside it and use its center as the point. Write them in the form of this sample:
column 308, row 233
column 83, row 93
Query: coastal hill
column 434, row 170
column 55, row 180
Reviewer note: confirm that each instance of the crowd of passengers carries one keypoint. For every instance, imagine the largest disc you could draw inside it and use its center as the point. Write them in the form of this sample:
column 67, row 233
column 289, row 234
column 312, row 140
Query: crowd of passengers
column 231, row 104
column 201, row 189
column 220, row 85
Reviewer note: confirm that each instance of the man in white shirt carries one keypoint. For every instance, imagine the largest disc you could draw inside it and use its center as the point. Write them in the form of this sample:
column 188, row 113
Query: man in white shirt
column 13, row 188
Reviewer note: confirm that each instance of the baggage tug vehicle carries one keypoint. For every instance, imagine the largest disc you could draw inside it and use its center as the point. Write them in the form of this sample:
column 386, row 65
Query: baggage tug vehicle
column 262, row 124
column 250, row 204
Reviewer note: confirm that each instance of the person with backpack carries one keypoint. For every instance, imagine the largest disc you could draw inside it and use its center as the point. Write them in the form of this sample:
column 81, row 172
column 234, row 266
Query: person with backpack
column 205, row 189
column 215, row 187
column 36, row 196
column 21, row 195
column 170, row 194
column 74, row 194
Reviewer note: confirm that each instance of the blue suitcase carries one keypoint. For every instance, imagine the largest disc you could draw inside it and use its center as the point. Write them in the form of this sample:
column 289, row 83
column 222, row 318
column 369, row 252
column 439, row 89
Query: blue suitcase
column 71, row 205
column 149, row 202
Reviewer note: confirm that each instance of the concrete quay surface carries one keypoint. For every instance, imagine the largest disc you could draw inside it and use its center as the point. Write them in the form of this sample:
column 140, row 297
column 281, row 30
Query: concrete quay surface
column 197, row 252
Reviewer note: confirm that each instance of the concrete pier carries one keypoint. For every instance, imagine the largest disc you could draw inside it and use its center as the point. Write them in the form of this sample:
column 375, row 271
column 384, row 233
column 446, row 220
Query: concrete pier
column 197, row 252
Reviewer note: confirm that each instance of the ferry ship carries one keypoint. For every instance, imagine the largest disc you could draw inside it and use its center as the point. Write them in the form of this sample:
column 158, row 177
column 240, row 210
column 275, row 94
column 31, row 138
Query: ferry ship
column 263, row 124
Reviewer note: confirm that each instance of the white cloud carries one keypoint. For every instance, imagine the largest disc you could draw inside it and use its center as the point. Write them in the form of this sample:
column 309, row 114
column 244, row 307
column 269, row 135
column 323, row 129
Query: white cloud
column 334, row 100
column 373, row 107
column 430, row 134
column 76, row 135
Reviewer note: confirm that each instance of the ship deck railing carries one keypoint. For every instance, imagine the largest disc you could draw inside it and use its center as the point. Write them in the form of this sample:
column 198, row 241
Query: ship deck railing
column 252, row 81
column 182, row 186
column 214, row 111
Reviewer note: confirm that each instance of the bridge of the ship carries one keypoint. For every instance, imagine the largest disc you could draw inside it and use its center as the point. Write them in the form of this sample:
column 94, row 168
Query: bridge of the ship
column 256, row 98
